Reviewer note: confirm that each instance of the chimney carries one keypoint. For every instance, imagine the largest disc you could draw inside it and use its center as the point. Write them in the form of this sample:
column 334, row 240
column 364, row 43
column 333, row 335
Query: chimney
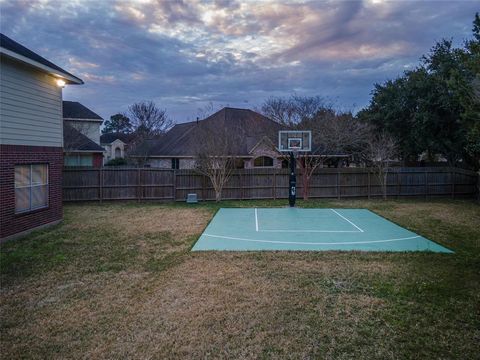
column 197, row 119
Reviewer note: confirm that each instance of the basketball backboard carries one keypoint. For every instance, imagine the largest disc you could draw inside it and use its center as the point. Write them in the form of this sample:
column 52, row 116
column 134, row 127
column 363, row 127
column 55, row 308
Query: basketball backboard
column 294, row 140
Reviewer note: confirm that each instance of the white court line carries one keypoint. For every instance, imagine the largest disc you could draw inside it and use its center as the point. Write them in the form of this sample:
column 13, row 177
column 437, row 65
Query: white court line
column 312, row 231
column 308, row 231
column 343, row 217
column 311, row 243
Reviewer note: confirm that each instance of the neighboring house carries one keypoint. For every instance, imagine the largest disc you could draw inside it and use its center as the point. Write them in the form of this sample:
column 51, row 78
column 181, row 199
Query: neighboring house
column 83, row 119
column 115, row 145
column 255, row 142
column 79, row 150
column 31, row 139
column 81, row 136
column 255, row 134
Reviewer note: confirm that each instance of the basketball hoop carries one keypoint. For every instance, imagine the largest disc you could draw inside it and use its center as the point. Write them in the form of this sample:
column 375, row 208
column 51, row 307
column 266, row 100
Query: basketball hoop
column 293, row 142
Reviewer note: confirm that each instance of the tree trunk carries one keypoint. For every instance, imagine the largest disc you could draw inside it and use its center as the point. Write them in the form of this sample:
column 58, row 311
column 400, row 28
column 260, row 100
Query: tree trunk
column 218, row 195
column 385, row 177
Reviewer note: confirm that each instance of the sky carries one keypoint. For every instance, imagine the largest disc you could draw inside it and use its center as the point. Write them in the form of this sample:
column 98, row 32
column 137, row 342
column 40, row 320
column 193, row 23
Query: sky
column 185, row 55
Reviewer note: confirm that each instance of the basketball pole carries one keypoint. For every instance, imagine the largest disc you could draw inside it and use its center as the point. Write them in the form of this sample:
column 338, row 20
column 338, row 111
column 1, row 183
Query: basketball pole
column 292, row 194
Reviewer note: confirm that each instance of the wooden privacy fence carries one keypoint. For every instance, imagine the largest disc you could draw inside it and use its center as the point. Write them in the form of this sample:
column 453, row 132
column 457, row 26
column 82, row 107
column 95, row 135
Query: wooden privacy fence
column 85, row 184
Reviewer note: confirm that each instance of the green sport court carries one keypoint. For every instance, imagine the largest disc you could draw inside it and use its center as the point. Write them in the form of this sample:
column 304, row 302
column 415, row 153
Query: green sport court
column 298, row 229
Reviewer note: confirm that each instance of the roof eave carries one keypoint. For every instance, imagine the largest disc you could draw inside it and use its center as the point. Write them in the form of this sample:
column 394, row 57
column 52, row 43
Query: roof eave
column 70, row 79
column 82, row 151
column 82, row 119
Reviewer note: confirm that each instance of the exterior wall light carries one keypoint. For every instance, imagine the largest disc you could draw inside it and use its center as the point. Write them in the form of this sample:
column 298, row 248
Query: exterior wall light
column 61, row 83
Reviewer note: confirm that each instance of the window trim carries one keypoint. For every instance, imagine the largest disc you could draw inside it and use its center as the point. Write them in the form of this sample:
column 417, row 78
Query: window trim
column 175, row 164
column 30, row 186
column 78, row 159
column 263, row 161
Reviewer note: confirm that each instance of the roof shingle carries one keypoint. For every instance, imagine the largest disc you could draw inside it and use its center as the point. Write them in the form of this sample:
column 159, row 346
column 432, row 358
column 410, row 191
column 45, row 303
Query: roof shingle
column 108, row 138
column 75, row 110
column 183, row 138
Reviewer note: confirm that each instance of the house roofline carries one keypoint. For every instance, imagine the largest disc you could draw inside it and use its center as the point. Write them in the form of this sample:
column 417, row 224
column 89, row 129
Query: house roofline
column 60, row 74
column 238, row 156
column 260, row 141
column 82, row 151
column 81, row 119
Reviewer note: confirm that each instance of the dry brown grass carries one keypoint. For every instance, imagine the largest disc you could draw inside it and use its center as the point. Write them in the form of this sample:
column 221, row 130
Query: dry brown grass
column 219, row 305
column 135, row 221
column 126, row 286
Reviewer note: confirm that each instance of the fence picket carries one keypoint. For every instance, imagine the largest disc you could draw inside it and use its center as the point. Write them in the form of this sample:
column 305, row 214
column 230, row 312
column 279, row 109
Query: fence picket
column 86, row 184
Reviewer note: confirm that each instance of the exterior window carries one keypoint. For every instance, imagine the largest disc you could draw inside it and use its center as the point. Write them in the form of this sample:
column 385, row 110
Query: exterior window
column 78, row 160
column 118, row 153
column 175, row 163
column 239, row 164
column 263, row 161
column 31, row 187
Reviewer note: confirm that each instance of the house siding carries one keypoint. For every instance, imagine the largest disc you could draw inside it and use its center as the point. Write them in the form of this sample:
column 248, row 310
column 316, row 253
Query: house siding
column 160, row 163
column 30, row 106
column 11, row 155
column 186, row 163
column 90, row 129
column 110, row 149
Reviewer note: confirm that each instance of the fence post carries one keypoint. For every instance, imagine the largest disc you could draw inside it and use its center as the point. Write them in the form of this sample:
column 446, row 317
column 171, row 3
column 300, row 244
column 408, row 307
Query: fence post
column 368, row 186
column 398, row 182
column 452, row 179
column 240, row 174
column 203, row 188
column 338, row 183
column 275, row 184
column 426, row 184
column 174, row 190
column 138, row 185
column 100, row 184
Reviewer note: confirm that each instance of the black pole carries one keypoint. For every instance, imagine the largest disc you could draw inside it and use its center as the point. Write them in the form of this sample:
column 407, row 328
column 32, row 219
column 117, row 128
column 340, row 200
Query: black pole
column 292, row 194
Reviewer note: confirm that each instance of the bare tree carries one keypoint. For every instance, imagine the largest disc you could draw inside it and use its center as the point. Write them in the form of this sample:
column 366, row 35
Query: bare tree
column 205, row 111
column 149, row 122
column 215, row 154
column 148, row 119
column 293, row 110
column 381, row 149
column 340, row 133
column 333, row 133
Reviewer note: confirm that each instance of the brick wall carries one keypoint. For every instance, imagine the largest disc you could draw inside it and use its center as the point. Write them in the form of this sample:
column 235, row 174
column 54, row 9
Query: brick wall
column 11, row 155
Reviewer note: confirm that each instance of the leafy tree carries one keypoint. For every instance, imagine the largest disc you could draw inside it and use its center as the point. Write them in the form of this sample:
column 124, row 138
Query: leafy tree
column 434, row 109
column 471, row 58
column 117, row 123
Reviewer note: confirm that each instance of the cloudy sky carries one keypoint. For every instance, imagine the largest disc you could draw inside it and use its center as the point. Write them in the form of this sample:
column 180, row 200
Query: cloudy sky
column 186, row 54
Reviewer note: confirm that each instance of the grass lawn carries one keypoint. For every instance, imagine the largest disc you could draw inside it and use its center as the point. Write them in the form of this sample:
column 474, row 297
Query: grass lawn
column 118, row 281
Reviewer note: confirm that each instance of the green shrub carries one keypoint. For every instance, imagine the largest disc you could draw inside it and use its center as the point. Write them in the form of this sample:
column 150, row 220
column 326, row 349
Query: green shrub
column 116, row 162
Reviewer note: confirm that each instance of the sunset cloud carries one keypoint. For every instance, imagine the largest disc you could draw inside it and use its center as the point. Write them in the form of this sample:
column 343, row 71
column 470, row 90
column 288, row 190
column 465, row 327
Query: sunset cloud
column 184, row 54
